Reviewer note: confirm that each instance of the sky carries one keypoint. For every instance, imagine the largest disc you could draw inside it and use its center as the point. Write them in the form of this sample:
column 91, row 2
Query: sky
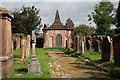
column 77, row 10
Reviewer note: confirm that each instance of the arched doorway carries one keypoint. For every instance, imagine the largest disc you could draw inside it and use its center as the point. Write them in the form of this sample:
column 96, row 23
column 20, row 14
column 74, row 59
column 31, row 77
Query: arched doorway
column 58, row 40
column 50, row 41
column 66, row 38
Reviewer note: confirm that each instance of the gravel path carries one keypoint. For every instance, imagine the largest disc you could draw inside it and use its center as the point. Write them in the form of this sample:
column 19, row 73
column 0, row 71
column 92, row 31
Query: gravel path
column 65, row 66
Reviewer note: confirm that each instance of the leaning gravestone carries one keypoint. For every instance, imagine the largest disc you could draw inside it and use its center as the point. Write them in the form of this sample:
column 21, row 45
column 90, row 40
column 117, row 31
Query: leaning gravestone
column 116, row 46
column 34, row 65
column 107, row 49
column 6, row 58
column 97, row 46
column 23, row 48
column 28, row 47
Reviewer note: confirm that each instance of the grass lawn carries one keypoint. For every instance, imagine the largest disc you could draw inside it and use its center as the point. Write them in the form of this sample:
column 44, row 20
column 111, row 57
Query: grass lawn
column 43, row 58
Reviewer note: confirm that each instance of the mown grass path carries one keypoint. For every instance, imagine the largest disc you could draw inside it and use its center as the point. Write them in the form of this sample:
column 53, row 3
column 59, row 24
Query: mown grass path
column 65, row 66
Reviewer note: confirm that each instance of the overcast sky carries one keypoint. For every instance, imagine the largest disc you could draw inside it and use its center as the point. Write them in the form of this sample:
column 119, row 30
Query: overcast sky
column 77, row 10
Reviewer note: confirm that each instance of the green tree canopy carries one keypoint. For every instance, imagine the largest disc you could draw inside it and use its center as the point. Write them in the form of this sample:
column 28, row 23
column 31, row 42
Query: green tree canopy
column 103, row 17
column 69, row 23
column 83, row 30
column 26, row 20
column 118, row 19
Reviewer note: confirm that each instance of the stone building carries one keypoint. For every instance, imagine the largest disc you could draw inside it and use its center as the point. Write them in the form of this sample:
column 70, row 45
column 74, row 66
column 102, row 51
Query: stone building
column 57, row 34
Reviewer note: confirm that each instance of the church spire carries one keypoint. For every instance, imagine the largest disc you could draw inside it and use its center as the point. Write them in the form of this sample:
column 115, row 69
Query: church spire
column 57, row 17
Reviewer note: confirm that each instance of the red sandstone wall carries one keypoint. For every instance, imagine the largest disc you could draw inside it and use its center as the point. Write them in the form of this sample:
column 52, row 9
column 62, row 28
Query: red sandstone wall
column 54, row 33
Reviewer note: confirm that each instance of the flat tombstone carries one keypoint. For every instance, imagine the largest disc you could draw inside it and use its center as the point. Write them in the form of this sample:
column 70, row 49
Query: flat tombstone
column 23, row 48
column 28, row 47
column 6, row 58
column 107, row 49
column 116, row 46
column 97, row 46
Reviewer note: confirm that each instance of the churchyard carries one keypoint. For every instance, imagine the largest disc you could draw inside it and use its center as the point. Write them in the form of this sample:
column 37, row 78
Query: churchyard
column 64, row 53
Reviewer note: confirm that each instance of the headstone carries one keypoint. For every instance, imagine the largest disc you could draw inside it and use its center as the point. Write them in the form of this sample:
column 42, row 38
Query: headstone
column 107, row 48
column 6, row 58
column 23, row 48
column 116, row 48
column 34, row 65
column 101, row 41
column 88, row 45
column 28, row 47
column 17, row 43
column 81, row 46
column 84, row 39
column 97, row 46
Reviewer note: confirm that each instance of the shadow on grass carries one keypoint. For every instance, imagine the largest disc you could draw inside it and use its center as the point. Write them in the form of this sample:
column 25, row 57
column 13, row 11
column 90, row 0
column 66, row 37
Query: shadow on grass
column 22, row 70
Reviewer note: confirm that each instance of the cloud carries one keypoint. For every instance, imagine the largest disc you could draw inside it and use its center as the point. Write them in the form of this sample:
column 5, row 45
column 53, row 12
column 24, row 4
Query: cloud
column 77, row 11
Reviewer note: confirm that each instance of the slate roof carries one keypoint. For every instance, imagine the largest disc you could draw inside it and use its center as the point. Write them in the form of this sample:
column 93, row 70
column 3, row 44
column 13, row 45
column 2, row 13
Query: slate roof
column 57, row 24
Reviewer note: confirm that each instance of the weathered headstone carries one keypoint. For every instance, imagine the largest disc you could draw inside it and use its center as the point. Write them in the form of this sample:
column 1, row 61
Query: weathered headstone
column 81, row 46
column 17, row 43
column 97, row 46
column 34, row 65
column 116, row 47
column 23, row 48
column 84, row 39
column 6, row 58
column 107, row 48
column 28, row 47
column 88, row 45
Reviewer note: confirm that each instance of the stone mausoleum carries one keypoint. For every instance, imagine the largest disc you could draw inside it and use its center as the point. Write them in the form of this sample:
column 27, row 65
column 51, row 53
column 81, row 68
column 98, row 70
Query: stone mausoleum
column 57, row 34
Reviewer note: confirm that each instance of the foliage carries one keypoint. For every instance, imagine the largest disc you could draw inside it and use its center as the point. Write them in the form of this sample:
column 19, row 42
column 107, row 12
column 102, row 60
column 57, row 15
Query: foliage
column 83, row 30
column 103, row 17
column 26, row 20
column 69, row 23
column 118, row 19
column 43, row 58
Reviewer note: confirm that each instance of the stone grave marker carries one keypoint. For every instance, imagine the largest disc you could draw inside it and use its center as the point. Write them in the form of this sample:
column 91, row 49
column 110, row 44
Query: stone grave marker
column 88, row 45
column 107, row 48
column 97, row 46
column 17, row 43
column 6, row 58
column 116, row 48
column 34, row 65
column 28, row 47
column 23, row 48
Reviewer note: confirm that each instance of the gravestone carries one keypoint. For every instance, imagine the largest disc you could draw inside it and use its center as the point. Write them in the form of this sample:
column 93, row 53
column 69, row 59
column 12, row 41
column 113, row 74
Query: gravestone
column 97, row 46
column 28, row 47
column 34, row 65
column 88, row 45
column 107, row 48
column 17, row 43
column 116, row 48
column 77, row 43
column 101, row 41
column 6, row 58
column 81, row 46
column 23, row 48
column 84, row 39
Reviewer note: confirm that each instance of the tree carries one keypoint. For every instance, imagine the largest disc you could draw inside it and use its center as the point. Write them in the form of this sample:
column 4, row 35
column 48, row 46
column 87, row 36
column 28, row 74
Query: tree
column 69, row 23
column 83, row 30
column 26, row 20
column 118, row 19
column 103, row 17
